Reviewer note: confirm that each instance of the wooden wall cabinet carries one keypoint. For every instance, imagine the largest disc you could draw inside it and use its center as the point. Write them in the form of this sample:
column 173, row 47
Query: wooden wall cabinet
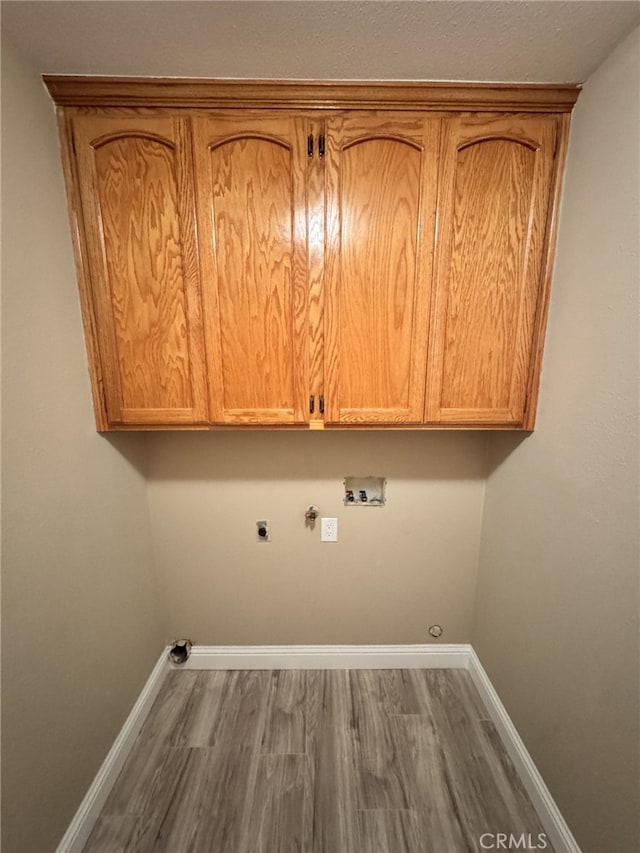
column 310, row 255
column 495, row 206
column 381, row 184
column 135, row 193
column 250, row 173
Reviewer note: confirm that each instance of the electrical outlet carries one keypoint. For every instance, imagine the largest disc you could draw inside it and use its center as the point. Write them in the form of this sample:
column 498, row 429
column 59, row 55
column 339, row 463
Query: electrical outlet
column 328, row 529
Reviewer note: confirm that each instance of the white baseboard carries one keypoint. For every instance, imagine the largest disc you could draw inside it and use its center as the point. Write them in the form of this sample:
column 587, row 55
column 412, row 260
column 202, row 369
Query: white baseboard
column 430, row 656
column 85, row 818
column 434, row 656
column 554, row 824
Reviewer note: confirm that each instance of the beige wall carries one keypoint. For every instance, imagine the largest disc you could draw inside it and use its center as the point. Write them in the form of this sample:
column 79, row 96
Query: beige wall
column 557, row 606
column 394, row 571
column 80, row 616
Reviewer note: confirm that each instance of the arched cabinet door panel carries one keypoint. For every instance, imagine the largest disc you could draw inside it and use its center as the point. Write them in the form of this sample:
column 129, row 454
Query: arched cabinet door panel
column 136, row 194
column 496, row 179
column 381, row 178
column 252, row 227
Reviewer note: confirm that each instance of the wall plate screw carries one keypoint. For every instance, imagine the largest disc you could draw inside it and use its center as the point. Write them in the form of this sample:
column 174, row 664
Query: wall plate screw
column 435, row 631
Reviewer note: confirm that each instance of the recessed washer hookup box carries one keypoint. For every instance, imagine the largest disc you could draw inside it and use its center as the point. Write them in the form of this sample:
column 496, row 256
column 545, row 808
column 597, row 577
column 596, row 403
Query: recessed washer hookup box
column 364, row 491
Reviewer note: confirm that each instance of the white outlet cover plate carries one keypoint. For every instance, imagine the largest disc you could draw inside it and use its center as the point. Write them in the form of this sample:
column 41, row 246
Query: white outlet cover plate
column 328, row 529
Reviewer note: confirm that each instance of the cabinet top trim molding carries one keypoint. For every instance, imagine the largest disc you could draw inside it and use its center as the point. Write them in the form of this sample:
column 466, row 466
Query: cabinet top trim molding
column 79, row 91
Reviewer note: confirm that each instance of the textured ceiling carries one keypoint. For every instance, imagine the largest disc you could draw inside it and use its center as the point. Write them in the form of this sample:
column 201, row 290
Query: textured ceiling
column 515, row 40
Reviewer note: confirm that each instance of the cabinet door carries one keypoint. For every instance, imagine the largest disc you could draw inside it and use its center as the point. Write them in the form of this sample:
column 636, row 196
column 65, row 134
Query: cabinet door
column 495, row 181
column 381, row 175
column 139, row 221
column 252, row 224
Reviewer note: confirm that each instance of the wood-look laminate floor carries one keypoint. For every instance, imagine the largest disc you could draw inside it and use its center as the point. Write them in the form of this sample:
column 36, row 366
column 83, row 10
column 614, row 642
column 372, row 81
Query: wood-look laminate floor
column 310, row 761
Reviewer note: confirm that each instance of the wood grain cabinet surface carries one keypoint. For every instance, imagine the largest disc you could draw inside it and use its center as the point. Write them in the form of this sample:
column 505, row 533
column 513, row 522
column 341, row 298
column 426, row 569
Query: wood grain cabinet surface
column 136, row 200
column 310, row 255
